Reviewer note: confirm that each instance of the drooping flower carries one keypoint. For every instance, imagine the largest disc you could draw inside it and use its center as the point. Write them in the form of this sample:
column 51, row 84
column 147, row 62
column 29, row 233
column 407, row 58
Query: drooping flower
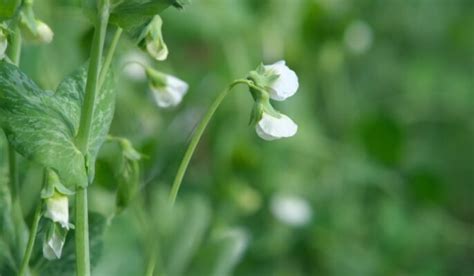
column 285, row 85
column 152, row 39
column 275, row 126
column 57, row 209
column 168, row 91
column 3, row 43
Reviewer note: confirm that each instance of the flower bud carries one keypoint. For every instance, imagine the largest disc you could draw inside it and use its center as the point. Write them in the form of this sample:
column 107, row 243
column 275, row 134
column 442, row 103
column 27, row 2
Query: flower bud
column 275, row 125
column 168, row 91
column 53, row 242
column 57, row 209
column 153, row 41
column 44, row 32
column 3, row 43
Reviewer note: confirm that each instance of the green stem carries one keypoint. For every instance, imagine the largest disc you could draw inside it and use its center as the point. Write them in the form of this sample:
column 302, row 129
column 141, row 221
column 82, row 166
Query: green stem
column 82, row 139
column 109, row 57
column 14, row 52
column 31, row 240
column 196, row 137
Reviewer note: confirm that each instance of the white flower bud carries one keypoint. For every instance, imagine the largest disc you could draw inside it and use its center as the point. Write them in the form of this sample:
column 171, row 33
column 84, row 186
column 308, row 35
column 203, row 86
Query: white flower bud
column 44, row 32
column 168, row 91
column 3, row 44
column 57, row 209
column 285, row 85
column 54, row 242
column 154, row 43
column 271, row 128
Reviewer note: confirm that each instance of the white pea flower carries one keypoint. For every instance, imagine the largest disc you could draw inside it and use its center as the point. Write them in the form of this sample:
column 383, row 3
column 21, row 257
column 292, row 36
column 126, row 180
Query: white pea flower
column 168, row 91
column 57, row 209
column 54, row 241
column 134, row 63
column 3, row 44
column 285, row 85
column 270, row 127
column 291, row 210
column 153, row 41
column 44, row 32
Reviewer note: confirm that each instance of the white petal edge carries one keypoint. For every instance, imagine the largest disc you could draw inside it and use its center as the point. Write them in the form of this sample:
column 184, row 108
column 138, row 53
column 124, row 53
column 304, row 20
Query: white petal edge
column 45, row 33
column 57, row 209
column 271, row 128
column 172, row 94
column 287, row 83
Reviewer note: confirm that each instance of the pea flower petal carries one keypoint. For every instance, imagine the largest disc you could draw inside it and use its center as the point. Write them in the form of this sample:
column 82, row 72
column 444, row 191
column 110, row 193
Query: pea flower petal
column 171, row 93
column 272, row 128
column 54, row 242
column 285, row 85
column 57, row 209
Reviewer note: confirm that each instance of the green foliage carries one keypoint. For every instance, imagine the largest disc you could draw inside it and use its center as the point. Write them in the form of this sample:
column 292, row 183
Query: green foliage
column 53, row 120
column 8, row 8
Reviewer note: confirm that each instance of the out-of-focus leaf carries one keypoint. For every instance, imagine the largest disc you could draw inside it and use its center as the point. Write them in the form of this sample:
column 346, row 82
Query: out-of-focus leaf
column 8, row 8
column 189, row 235
column 222, row 253
column 37, row 127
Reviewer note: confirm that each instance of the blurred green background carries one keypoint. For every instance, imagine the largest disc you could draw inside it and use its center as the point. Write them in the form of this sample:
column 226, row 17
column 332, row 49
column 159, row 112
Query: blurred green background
column 377, row 181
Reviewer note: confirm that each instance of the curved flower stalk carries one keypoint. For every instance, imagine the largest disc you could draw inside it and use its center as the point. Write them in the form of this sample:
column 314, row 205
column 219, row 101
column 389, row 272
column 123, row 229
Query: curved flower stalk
column 167, row 90
column 275, row 81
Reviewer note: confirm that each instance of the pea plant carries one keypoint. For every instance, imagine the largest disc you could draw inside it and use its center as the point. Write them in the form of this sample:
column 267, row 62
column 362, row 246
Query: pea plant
column 64, row 130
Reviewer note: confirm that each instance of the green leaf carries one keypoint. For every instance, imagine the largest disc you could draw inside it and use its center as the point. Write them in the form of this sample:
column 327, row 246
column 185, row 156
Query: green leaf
column 8, row 8
column 41, row 125
column 73, row 88
column 35, row 124
column 189, row 234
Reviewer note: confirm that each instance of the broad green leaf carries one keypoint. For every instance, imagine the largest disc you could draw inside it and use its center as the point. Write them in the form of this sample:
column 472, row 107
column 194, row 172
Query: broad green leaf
column 41, row 125
column 37, row 127
column 73, row 88
column 8, row 8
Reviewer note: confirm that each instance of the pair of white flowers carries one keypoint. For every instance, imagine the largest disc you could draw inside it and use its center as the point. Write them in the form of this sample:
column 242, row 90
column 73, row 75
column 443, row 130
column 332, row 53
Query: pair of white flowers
column 280, row 82
column 276, row 81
